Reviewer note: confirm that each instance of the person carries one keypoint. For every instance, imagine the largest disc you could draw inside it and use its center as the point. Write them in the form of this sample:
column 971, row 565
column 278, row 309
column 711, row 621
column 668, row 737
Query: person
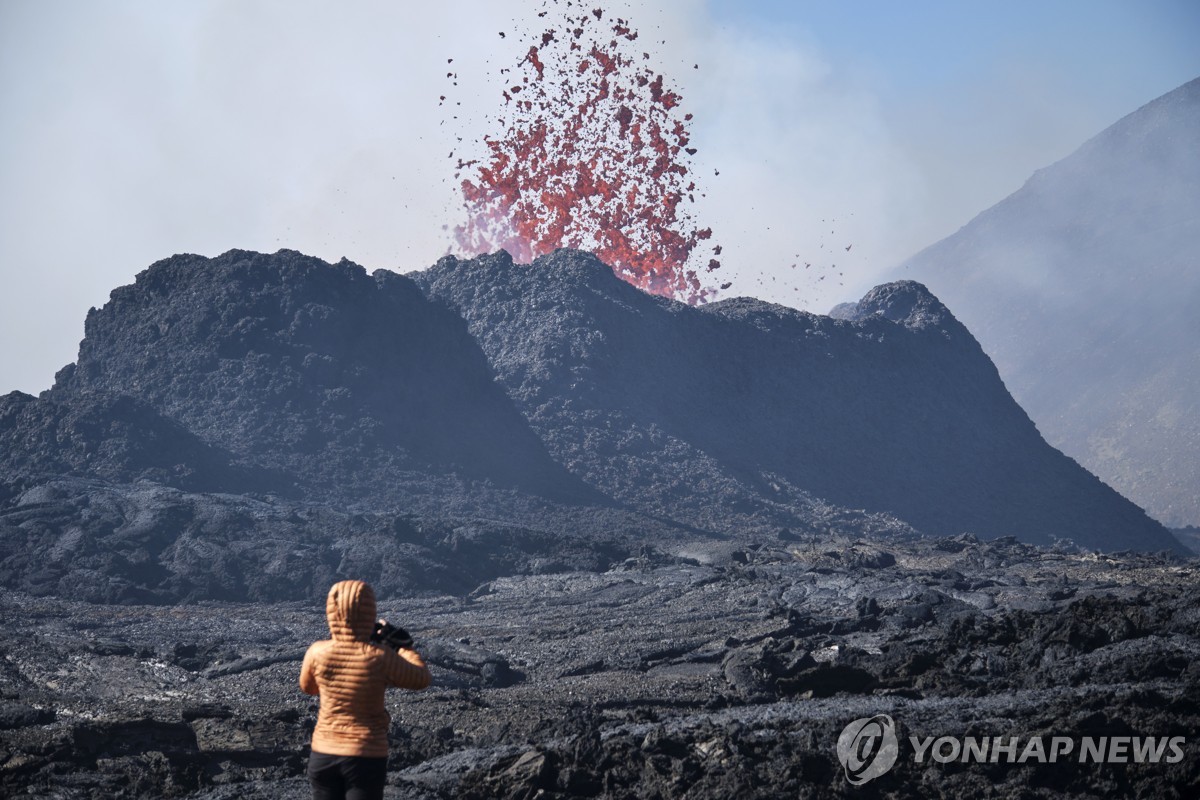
column 350, row 673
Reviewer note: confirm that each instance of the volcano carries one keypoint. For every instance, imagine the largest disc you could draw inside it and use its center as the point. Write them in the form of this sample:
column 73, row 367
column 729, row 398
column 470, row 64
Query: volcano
column 772, row 414
column 633, row 538
column 247, row 426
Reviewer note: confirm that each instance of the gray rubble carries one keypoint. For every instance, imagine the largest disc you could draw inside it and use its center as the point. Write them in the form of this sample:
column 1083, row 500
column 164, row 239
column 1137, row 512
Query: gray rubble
column 658, row 677
column 649, row 550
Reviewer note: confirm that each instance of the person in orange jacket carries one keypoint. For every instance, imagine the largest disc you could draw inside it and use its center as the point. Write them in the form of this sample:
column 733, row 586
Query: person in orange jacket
column 350, row 673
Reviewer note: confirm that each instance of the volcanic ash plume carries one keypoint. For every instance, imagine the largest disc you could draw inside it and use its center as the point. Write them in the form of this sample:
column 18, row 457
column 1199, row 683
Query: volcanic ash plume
column 594, row 154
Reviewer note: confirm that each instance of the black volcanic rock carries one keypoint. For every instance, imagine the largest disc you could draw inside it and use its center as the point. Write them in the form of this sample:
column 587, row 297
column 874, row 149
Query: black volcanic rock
column 698, row 681
column 340, row 379
column 767, row 413
column 1083, row 287
column 577, row 648
column 252, row 427
column 114, row 437
column 147, row 543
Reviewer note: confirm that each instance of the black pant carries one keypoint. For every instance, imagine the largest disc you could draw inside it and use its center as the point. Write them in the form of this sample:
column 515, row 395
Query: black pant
column 346, row 777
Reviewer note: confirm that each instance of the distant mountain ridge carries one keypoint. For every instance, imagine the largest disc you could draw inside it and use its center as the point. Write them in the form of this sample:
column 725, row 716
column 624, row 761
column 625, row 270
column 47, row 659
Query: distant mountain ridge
column 1083, row 286
column 250, row 426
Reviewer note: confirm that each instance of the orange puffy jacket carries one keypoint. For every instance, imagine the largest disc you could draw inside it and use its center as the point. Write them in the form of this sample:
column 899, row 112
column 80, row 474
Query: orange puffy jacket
column 351, row 674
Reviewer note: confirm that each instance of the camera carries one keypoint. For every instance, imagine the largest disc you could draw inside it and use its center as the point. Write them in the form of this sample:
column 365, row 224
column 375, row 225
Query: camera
column 394, row 637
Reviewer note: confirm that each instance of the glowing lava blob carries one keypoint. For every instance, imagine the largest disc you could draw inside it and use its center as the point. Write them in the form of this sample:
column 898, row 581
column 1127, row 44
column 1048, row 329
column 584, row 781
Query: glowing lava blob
column 595, row 155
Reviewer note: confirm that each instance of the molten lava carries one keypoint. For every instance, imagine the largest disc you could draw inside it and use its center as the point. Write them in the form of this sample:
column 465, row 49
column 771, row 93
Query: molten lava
column 594, row 154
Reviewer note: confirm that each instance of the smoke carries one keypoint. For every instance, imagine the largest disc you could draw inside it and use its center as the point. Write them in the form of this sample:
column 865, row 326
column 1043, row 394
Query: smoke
column 137, row 130
column 133, row 130
column 812, row 193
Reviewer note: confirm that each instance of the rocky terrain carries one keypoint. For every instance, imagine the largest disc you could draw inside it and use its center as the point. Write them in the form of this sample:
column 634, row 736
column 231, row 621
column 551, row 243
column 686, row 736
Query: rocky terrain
column 651, row 550
column 248, row 427
column 729, row 674
column 1189, row 537
column 322, row 380
column 1082, row 286
column 746, row 408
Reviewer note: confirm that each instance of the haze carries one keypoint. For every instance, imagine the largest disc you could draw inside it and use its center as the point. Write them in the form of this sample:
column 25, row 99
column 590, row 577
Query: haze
column 135, row 130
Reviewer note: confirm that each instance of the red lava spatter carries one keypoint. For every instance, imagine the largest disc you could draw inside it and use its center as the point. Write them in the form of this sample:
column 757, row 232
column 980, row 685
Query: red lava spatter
column 594, row 154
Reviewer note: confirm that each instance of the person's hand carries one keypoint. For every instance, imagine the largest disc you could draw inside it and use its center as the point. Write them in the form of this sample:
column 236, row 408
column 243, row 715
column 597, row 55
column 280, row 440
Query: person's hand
column 393, row 636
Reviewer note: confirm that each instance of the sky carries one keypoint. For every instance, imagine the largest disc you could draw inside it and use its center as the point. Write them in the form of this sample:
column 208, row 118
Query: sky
column 132, row 130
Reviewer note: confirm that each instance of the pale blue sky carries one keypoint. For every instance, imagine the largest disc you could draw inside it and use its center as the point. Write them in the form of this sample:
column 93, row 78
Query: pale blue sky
column 927, row 44
column 1100, row 58
column 131, row 130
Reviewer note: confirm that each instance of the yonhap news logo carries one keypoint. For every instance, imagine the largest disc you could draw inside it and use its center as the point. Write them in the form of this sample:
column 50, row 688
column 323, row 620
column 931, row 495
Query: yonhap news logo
column 869, row 747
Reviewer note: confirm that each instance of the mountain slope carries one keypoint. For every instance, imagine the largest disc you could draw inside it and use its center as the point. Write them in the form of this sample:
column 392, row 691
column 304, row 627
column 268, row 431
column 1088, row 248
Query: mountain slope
column 337, row 381
column 1083, row 287
column 253, row 426
column 755, row 408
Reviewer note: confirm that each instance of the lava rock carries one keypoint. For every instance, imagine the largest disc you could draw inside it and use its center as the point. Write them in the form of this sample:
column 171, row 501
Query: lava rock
column 895, row 409
column 21, row 715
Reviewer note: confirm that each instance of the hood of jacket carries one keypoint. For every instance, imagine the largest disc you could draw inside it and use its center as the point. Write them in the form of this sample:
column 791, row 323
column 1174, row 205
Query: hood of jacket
column 350, row 609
